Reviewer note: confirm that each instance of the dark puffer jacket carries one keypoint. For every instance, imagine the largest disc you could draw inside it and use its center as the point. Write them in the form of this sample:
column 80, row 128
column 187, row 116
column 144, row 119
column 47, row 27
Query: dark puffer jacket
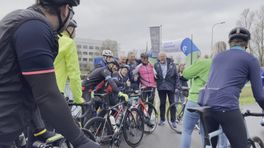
column 171, row 79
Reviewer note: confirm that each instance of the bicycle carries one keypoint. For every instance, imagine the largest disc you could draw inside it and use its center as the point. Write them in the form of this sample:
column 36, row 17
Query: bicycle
column 180, row 106
column 253, row 142
column 127, row 121
column 150, row 120
column 58, row 140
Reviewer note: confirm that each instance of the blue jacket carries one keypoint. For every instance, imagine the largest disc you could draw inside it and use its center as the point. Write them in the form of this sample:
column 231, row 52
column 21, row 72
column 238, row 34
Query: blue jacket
column 171, row 79
column 230, row 71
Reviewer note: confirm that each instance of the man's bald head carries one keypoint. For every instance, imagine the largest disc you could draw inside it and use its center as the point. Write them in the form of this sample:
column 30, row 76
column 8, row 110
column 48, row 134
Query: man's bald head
column 162, row 57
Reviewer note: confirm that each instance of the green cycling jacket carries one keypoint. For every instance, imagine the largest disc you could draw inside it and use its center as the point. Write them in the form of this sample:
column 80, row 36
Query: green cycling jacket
column 67, row 67
column 198, row 73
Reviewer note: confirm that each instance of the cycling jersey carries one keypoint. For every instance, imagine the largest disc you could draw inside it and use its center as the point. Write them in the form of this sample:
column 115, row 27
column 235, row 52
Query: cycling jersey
column 99, row 75
column 19, row 43
column 120, row 80
column 230, row 71
column 28, row 47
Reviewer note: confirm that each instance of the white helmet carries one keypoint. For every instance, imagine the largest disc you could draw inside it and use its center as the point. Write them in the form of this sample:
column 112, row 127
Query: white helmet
column 107, row 53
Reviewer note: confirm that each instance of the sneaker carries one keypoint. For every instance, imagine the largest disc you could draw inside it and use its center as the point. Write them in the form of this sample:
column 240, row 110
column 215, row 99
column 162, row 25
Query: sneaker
column 161, row 123
column 174, row 125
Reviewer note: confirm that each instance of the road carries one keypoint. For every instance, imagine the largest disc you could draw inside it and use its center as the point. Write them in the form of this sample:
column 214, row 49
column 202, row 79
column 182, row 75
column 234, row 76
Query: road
column 164, row 137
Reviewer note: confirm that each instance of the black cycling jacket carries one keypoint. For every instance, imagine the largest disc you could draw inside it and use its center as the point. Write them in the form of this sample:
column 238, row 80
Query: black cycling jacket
column 97, row 76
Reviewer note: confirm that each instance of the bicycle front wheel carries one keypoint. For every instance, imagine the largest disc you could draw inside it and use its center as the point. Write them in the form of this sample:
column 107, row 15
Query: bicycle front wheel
column 176, row 125
column 133, row 127
column 101, row 129
column 150, row 117
column 258, row 142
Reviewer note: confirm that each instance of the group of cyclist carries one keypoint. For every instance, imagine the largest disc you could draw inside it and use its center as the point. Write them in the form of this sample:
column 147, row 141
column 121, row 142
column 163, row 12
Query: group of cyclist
column 32, row 78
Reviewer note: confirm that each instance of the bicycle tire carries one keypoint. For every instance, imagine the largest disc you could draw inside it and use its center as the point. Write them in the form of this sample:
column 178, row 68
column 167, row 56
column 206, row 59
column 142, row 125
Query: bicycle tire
column 101, row 129
column 179, row 117
column 132, row 122
column 251, row 143
column 88, row 134
column 258, row 142
column 153, row 118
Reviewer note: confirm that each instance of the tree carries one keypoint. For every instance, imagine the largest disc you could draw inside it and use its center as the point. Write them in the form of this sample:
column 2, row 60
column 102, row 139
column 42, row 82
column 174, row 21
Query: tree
column 111, row 45
column 246, row 20
column 254, row 21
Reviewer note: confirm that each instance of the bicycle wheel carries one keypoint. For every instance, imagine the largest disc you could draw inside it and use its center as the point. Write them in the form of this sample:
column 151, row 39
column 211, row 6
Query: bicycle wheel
column 101, row 129
column 258, row 142
column 150, row 120
column 133, row 127
column 179, row 115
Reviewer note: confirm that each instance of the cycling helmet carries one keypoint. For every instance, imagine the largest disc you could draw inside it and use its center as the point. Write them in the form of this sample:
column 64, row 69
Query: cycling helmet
column 114, row 61
column 124, row 66
column 107, row 53
column 239, row 33
column 144, row 55
column 72, row 3
column 72, row 23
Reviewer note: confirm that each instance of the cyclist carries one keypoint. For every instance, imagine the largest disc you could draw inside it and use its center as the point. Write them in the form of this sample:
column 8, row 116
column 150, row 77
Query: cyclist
column 66, row 64
column 107, row 57
column 28, row 41
column 102, row 75
column 198, row 74
column 121, row 77
column 229, row 72
column 262, row 78
column 146, row 73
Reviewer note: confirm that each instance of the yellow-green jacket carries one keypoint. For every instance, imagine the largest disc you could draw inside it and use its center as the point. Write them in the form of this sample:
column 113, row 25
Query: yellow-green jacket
column 67, row 67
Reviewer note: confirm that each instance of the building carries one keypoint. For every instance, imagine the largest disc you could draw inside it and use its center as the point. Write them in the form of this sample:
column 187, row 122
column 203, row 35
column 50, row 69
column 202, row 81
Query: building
column 88, row 49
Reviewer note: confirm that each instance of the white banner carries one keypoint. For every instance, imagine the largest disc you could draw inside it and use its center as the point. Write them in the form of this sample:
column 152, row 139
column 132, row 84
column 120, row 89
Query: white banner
column 171, row 46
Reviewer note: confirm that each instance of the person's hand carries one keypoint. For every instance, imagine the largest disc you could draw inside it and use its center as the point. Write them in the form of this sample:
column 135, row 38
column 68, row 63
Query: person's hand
column 120, row 94
column 128, row 83
column 135, row 77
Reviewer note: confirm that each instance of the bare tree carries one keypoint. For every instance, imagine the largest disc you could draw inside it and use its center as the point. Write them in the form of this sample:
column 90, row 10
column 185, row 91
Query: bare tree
column 258, row 34
column 246, row 20
column 111, row 45
column 254, row 21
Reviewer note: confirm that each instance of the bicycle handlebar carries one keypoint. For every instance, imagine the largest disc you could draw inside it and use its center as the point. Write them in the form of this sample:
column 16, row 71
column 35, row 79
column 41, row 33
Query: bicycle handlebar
column 248, row 113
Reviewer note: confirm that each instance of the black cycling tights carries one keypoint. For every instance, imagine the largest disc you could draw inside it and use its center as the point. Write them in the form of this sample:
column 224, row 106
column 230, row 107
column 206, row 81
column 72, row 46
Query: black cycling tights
column 232, row 124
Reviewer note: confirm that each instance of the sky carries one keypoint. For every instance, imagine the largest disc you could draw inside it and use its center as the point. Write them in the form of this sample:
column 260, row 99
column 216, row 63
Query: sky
column 128, row 21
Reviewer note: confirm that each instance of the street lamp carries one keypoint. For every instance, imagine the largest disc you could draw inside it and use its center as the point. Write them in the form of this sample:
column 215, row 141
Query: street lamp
column 212, row 38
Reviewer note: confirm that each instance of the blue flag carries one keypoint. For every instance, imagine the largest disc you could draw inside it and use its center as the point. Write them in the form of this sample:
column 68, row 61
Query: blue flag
column 187, row 46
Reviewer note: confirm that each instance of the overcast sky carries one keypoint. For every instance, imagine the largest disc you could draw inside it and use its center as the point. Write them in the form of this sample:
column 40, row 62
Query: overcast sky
column 127, row 21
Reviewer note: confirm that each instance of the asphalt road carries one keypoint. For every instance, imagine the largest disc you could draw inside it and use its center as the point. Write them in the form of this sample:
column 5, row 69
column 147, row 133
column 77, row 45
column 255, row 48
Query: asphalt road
column 164, row 137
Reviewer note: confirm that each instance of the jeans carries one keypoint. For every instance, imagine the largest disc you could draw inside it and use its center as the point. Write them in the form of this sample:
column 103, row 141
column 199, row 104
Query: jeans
column 189, row 121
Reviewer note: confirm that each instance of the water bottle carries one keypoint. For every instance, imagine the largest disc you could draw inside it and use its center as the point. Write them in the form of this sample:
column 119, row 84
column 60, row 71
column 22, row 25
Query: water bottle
column 113, row 123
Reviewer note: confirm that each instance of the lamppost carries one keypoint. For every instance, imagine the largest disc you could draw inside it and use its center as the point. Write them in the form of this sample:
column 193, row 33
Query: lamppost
column 212, row 38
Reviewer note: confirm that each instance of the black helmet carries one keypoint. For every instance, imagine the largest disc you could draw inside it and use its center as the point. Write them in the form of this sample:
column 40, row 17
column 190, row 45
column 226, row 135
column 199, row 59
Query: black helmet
column 114, row 61
column 239, row 33
column 144, row 55
column 72, row 23
column 60, row 2
column 124, row 66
